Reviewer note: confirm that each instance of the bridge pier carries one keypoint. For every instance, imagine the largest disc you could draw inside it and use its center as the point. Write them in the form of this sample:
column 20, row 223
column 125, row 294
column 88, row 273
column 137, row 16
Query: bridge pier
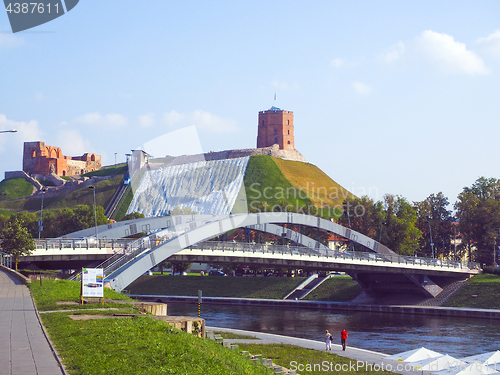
column 378, row 284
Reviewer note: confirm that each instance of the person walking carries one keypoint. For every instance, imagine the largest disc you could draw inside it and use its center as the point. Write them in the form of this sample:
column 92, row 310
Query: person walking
column 328, row 340
column 343, row 338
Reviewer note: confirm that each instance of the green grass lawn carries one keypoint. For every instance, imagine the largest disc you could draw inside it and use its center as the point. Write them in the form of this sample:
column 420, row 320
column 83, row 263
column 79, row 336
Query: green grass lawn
column 15, row 188
column 215, row 286
column 337, row 288
column 481, row 291
column 139, row 345
column 50, row 291
column 293, row 357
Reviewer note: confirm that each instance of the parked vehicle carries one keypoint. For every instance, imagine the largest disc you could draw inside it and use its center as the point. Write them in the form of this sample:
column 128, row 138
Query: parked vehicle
column 216, row 273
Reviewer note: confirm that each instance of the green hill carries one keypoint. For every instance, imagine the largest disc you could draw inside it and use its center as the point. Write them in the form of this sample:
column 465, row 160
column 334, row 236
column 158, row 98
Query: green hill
column 104, row 192
column 272, row 184
column 15, row 188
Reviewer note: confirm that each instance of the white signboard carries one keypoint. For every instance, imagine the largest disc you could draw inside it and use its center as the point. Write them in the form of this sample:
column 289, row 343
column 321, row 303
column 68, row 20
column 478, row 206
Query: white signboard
column 92, row 282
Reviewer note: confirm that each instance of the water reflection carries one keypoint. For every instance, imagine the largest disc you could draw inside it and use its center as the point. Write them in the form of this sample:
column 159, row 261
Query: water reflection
column 382, row 332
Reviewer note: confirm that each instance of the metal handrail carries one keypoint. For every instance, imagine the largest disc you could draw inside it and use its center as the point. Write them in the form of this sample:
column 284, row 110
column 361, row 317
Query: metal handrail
column 358, row 255
column 6, row 260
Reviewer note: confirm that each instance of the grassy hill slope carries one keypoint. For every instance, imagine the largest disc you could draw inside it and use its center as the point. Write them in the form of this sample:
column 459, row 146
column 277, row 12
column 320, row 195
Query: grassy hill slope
column 319, row 187
column 15, row 188
column 270, row 181
column 104, row 192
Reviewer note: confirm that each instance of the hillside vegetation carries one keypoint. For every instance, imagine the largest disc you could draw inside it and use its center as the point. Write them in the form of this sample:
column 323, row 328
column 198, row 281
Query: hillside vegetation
column 15, row 188
column 319, row 187
column 481, row 291
column 104, row 192
column 266, row 186
column 215, row 286
column 272, row 183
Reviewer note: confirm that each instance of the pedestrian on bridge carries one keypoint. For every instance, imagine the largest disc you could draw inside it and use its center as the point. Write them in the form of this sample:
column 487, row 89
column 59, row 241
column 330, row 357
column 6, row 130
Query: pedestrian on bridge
column 343, row 338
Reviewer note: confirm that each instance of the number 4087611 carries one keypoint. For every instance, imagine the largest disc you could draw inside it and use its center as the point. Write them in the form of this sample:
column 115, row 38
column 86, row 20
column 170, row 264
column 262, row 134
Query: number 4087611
column 32, row 8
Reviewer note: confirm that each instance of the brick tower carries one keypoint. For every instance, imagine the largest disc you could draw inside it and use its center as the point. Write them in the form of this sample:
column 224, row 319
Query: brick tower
column 276, row 127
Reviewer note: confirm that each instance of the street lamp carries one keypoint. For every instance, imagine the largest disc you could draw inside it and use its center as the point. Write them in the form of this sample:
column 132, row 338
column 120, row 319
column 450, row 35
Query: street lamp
column 494, row 249
column 430, row 235
column 95, row 211
column 8, row 131
column 40, row 223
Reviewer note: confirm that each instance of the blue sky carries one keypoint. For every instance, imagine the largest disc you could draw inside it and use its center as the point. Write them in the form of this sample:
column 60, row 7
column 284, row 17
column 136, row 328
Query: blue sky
column 388, row 96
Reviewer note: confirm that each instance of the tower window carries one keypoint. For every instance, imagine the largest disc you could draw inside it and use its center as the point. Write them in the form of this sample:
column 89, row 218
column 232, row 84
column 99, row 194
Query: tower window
column 275, row 131
column 262, row 122
column 288, row 132
column 275, row 140
column 288, row 142
column 288, row 122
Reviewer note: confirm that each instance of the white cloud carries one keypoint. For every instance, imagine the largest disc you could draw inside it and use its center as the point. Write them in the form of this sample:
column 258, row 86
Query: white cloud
column 338, row 63
column 361, row 88
column 12, row 144
column 203, row 120
column 448, row 55
column 110, row 119
column 9, row 40
column 393, row 53
column 72, row 143
column 491, row 43
column 147, row 120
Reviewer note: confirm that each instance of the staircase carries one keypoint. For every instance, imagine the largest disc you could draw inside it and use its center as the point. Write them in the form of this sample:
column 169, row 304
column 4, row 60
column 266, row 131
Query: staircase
column 306, row 287
column 447, row 292
column 116, row 200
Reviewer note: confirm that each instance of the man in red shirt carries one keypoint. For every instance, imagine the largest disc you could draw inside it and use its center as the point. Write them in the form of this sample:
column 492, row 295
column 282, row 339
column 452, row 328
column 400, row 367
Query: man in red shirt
column 343, row 338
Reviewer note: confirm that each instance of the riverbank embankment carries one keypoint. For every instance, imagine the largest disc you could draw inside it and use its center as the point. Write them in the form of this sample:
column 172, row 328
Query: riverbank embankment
column 325, row 305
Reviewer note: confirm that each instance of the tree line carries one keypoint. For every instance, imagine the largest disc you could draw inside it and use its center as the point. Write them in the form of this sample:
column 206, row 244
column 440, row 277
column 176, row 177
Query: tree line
column 429, row 228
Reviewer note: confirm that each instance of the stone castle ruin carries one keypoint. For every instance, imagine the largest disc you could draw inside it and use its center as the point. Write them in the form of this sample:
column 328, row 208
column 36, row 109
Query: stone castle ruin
column 39, row 158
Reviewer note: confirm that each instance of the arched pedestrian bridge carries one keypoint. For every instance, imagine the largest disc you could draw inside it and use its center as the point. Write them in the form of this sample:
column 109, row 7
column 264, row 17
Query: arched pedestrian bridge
column 378, row 270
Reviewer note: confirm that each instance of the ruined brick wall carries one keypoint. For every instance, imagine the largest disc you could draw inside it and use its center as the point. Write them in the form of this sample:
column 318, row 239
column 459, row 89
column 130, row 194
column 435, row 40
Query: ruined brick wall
column 39, row 158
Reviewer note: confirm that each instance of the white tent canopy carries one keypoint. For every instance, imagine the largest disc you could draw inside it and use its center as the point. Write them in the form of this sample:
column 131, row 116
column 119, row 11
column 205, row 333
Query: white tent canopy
column 414, row 355
column 475, row 368
column 438, row 363
column 489, row 358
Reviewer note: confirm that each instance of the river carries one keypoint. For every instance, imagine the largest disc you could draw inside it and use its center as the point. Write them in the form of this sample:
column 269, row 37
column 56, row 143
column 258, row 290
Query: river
column 381, row 332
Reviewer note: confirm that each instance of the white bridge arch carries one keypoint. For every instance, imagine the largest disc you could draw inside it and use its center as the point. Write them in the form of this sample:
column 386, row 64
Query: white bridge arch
column 191, row 230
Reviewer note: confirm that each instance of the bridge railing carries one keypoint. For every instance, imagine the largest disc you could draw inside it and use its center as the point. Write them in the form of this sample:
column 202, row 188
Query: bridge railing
column 351, row 255
column 84, row 243
column 6, row 260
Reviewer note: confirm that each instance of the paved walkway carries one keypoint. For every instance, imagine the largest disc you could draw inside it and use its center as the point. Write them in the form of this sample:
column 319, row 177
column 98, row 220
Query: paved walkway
column 24, row 348
column 362, row 359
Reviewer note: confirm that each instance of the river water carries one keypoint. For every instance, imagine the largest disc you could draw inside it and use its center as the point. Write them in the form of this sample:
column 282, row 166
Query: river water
column 381, row 332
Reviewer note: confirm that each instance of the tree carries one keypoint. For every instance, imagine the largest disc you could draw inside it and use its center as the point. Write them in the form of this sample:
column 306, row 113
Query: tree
column 478, row 212
column 401, row 235
column 133, row 215
column 16, row 240
column 434, row 219
column 363, row 215
column 391, row 222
